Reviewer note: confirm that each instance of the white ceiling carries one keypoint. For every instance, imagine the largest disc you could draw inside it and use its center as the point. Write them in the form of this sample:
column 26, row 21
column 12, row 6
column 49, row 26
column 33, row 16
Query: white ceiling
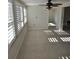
column 44, row 1
column 38, row 2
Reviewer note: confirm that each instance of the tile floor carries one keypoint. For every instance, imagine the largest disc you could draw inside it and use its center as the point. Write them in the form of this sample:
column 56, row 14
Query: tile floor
column 44, row 44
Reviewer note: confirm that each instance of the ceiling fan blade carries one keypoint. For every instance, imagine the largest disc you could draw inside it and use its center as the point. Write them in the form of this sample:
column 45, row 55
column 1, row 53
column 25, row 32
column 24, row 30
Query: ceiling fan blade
column 49, row 1
column 56, row 4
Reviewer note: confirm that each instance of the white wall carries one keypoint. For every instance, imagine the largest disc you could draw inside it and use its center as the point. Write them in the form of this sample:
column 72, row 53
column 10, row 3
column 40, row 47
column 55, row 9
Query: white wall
column 59, row 17
column 14, row 50
column 52, row 15
column 37, row 17
column 56, row 15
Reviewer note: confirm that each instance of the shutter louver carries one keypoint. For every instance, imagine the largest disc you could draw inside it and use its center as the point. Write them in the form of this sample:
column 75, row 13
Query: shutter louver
column 11, row 28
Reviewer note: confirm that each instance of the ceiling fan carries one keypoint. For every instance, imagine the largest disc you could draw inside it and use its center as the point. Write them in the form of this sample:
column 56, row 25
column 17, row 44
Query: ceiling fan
column 49, row 4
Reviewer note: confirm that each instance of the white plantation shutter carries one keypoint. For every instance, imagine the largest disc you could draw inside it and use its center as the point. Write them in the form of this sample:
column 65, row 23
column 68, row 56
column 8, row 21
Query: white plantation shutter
column 19, row 17
column 11, row 28
column 16, row 23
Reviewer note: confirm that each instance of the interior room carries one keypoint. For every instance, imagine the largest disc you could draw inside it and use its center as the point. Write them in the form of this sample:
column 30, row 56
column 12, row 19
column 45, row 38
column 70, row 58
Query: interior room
column 39, row 29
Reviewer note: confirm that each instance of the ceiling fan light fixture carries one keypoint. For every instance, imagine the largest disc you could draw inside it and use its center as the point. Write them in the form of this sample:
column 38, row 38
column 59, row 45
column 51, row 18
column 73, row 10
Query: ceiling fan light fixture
column 49, row 4
column 49, row 7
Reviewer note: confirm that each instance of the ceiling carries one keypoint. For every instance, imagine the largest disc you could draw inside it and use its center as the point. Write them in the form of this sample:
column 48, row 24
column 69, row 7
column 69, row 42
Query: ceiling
column 38, row 2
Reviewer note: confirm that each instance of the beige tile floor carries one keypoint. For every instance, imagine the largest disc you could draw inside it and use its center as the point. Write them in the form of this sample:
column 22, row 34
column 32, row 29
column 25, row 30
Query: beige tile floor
column 37, row 46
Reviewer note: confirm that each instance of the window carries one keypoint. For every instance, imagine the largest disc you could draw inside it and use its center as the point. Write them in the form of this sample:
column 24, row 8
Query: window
column 19, row 17
column 16, row 23
column 25, row 16
column 11, row 28
column 22, row 24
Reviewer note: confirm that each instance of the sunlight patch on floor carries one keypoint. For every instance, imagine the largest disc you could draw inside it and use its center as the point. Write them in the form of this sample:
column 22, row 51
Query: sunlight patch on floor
column 51, row 24
column 61, row 32
column 64, row 57
column 52, row 40
column 65, row 39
